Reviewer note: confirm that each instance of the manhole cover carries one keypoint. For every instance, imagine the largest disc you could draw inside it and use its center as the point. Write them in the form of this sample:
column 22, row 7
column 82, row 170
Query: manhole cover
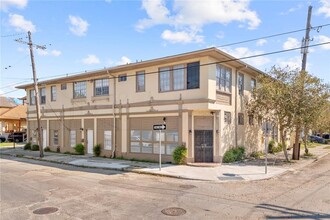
column 45, row 211
column 174, row 211
column 187, row 186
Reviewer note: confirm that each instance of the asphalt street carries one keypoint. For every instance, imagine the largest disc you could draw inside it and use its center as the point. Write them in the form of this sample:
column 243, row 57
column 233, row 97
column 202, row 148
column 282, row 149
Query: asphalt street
column 82, row 193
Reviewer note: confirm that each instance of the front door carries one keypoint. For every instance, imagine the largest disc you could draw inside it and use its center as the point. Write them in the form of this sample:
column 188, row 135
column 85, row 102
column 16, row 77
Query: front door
column 44, row 138
column 90, row 141
column 203, row 146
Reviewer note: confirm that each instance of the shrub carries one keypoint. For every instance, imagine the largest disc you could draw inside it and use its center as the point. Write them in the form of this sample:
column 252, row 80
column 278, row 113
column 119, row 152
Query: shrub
column 272, row 148
column 27, row 146
column 80, row 149
column 97, row 150
column 234, row 154
column 47, row 149
column 35, row 147
column 256, row 154
column 180, row 154
column 58, row 149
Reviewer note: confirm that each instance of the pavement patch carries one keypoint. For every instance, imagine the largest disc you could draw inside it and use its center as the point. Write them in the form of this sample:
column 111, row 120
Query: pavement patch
column 45, row 210
column 174, row 211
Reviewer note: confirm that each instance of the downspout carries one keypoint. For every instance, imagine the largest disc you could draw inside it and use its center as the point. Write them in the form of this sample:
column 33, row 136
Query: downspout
column 113, row 154
column 236, row 121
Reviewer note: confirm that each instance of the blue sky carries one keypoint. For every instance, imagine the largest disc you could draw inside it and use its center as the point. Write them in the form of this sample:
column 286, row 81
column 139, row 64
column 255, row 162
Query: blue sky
column 88, row 35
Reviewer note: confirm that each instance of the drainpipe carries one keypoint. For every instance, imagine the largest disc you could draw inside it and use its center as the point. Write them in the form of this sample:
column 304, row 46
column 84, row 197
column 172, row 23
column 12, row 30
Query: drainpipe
column 113, row 154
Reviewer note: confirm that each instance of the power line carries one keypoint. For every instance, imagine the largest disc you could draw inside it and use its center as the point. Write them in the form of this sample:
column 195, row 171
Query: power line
column 12, row 35
column 14, row 84
column 228, row 60
column 275, row 35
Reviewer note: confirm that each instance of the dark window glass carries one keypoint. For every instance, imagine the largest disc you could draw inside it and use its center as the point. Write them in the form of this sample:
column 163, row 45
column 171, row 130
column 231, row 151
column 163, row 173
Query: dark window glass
column 193, row 75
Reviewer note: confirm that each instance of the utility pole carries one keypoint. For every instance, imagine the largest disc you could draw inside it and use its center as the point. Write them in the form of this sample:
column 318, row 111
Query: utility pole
column 36, row 91
column 305, row 40
column 304, row 51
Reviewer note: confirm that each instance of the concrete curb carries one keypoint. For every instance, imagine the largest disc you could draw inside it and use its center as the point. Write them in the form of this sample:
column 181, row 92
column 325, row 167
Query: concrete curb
column 160, row 174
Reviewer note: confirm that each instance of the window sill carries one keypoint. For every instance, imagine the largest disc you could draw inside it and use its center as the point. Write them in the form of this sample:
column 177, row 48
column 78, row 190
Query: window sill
column 100, row 98
column 78, row 100
column 223, row 92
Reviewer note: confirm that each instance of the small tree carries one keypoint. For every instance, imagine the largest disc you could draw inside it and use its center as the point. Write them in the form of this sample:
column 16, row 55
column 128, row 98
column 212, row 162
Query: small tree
column 80, row 149
column 97, row 150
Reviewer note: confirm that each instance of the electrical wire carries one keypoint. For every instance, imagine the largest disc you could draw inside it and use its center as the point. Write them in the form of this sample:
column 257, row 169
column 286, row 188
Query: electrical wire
column 274, row 35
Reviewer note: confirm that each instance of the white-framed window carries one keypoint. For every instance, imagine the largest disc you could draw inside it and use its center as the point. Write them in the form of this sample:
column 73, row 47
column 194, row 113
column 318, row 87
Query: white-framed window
column 147, row 141
column 55, row 137
column 179, row 77
column 101, row 87
column 32, row 97
column 43, row 96
column 53, row 93
column 140, row 81
column 107, row 140
column 79, row 89
column 227, row 117
column 73, row 138
column 223, row 78
column 240, row 84
column 253, row 84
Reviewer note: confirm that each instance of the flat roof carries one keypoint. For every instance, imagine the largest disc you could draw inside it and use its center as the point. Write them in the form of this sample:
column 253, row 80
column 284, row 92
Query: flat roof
column 213, row 52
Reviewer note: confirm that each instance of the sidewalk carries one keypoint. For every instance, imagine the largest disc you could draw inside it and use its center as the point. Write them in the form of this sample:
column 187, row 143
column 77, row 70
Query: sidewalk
column 247, row 170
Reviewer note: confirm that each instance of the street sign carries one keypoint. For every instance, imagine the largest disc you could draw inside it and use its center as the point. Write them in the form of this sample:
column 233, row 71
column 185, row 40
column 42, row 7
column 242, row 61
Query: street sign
column 159, row 127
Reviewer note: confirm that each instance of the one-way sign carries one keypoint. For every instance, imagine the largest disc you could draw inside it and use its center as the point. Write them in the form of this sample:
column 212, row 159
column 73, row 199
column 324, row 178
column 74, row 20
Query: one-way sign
column 159, row 127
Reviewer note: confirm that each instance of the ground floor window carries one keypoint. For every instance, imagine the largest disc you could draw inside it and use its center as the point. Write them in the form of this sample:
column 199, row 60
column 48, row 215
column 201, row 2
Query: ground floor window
column 55, row 137
column 73, row 138
column 147, row 141
column 107, row 140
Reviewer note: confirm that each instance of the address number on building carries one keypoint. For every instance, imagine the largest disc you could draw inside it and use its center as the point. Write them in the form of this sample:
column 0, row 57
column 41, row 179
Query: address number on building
column 159, row 127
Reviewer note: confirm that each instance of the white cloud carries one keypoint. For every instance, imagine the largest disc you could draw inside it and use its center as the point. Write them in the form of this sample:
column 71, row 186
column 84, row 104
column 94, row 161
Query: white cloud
column 78, row 26
column 291, row 43
column 108, row 1
column 123, row 60
column 191, row 18
column 20, row 24
column 323, row 39
column 5, row 4
column 54, row 53
column 261, row 42
column 293, row 9
column 292, row 63
column 181, row 37
column 91, row 59
column 242, row 52
column 325, row 8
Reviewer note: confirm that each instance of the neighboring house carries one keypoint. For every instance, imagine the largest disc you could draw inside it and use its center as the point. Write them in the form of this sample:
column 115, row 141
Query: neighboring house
column 200, row 94
column 12, row 116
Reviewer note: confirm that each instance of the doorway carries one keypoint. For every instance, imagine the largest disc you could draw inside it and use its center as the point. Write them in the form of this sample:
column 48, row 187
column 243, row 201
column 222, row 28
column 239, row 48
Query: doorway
column 203, row 145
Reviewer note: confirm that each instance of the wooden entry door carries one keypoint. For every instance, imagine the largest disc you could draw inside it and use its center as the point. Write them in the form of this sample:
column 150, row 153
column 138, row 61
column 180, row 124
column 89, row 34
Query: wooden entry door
column 203, row 146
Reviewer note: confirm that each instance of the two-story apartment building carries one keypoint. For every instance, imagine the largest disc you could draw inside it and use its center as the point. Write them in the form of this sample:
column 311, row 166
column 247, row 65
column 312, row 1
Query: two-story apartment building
column 199, row 94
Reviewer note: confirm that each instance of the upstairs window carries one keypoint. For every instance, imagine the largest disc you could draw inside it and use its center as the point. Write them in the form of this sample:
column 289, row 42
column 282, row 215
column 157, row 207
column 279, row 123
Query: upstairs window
column 240, row 84
column 179, row 77
column 43, row 96
column 53, row 94
column 79, row 89
column 32, row 97
column 63, row 86
column 240, row 118
column 253, row 84
column 140, row 81
column 223, row 78
column 227, row 117
column 101, row 87
column 122, row 77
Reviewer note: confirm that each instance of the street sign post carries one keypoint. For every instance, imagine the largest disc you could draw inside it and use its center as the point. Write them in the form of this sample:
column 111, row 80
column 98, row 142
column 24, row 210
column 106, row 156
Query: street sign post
column 159, row 128
column 266, row 128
